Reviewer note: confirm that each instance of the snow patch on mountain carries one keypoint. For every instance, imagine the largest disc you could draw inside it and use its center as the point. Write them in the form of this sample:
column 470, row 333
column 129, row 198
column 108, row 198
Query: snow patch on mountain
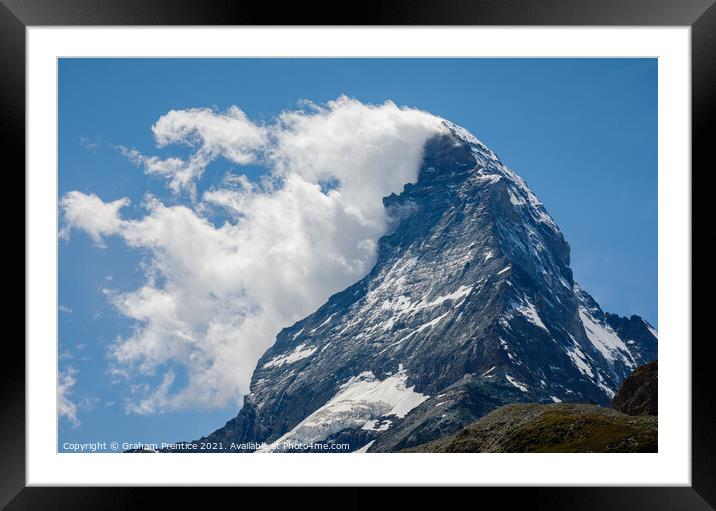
column 297, row 354
column 360, row 401
column 432, row 322
column 365, row 447
column 527, row 310
column 377, row 425
column 580, row 360
column 402, row 304
column 605, row 339
column 517, row 383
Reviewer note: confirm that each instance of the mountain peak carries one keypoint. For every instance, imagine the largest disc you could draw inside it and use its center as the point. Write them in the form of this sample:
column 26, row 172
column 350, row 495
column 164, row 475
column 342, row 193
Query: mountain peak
column 471, row 304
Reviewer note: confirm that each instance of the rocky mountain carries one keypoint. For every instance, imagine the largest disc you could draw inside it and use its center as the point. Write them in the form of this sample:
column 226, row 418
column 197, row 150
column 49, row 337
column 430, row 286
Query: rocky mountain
column 638, row 395
column 551, row 428
column 471, row 304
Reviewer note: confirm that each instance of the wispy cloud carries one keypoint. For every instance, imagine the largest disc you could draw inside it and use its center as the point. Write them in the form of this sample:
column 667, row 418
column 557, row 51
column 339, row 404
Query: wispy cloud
column 90, row 144
column 212, row 134
column 66, row 408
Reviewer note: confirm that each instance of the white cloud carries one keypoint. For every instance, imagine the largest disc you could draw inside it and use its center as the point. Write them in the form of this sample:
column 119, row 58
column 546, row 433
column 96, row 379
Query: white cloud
column 230, row 135
column 65, row 406
column 89, row 213
column 371, row 150
column 89, row 144
column 216, row 296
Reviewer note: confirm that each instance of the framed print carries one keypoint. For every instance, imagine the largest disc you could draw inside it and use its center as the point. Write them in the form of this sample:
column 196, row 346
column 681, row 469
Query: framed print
column 425, row 246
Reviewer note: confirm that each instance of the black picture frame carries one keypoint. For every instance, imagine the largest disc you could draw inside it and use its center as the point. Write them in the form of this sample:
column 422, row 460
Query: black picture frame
column 16, row 15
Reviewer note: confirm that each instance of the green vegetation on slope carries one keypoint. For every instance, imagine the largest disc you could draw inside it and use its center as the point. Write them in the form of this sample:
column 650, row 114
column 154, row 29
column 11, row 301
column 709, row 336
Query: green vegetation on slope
column 552, row 428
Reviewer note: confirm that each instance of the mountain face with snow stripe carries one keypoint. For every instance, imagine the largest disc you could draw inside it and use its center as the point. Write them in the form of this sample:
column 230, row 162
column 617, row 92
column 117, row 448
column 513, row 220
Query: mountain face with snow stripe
column 471, row 304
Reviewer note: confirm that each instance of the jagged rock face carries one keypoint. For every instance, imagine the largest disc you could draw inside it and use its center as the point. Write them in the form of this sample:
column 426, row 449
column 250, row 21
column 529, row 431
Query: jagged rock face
column 632, row 331
column 638, row 394
column 471, row 304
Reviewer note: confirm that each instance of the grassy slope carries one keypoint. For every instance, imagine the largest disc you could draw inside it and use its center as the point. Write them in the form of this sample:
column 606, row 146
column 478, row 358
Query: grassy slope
column 557, row 427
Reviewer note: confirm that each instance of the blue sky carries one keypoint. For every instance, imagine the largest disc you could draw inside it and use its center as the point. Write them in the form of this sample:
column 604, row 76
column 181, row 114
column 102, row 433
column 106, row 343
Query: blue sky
column 582, row 132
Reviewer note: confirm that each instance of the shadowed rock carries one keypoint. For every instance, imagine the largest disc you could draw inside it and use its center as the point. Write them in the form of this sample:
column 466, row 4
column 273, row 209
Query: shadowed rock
column 638, row 394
